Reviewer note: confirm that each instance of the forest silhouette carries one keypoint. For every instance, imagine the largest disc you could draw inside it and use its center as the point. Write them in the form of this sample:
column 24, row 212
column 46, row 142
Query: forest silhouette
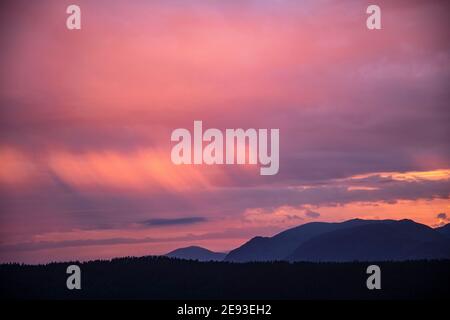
column 158, row 277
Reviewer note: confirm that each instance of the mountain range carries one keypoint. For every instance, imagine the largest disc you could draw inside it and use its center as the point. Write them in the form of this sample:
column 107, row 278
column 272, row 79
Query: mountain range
column 352, row 240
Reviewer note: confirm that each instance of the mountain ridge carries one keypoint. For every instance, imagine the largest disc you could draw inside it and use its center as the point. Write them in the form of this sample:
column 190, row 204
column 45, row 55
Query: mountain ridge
column 383, row 241
column 350, row 240
column 283, row 245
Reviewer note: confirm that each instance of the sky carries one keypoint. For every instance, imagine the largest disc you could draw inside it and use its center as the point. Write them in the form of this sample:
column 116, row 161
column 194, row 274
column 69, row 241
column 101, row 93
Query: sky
column 86, row 117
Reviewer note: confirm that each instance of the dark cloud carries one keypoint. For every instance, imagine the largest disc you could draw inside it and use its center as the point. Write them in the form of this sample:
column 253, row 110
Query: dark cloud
column 312, row 214
column 443, row 216
column 176, row 221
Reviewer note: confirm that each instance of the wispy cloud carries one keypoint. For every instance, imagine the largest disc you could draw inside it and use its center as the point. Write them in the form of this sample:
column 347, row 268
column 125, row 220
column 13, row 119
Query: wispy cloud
column 174, row 221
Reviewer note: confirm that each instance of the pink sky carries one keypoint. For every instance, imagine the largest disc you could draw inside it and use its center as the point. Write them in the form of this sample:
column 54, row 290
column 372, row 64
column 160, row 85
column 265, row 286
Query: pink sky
column 86, row 117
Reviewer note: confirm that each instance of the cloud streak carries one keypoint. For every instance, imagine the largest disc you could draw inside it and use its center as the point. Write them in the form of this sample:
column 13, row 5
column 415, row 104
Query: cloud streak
column 174, row 221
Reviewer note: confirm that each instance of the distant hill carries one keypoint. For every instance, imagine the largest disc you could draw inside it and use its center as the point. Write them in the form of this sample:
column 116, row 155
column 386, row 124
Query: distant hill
column 347, row 241
column 196, row 253
column 382, row 241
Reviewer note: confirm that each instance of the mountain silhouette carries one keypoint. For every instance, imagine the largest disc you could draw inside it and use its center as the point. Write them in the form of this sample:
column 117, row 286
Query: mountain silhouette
column 357, row 239
column 382, row 241
column 196, row 253
column 283, row 244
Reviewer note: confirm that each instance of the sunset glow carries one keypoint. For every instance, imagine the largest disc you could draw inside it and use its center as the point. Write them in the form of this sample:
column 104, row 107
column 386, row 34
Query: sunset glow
column 86, row 119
